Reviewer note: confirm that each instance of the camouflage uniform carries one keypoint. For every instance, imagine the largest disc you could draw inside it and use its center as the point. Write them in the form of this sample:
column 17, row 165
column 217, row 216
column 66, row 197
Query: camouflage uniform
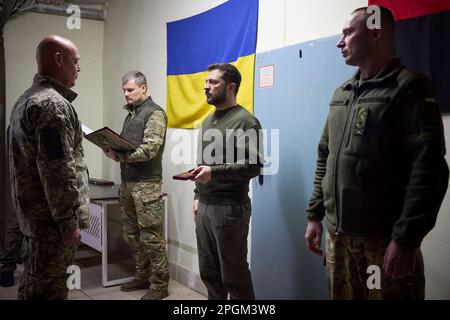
column 142, row 204
column 12, row 245
column 347, row 260
column 49, row 184
column 142, row 216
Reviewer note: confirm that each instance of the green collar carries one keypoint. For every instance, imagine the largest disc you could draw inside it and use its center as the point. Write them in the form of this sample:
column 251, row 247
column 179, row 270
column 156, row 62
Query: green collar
column 133, row 108
column 40, row 79
column 390, row 70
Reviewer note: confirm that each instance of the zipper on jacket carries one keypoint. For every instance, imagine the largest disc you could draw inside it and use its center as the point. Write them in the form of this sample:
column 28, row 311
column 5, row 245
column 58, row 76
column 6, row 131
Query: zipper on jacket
column 336, row 165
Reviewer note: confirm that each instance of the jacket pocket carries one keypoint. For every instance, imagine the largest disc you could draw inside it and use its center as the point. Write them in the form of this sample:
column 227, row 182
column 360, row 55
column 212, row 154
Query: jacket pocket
column 371, row 127
column 148, row 204
column 384, row 100
column 235, row 216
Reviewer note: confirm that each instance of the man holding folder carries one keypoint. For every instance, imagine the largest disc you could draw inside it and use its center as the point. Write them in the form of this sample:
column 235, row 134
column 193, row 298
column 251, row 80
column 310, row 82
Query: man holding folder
column 140, row 192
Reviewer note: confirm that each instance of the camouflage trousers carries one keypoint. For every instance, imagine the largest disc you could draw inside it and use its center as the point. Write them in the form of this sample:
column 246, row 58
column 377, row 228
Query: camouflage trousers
column 348, row 258
column 141, row 205
column 12, row 246
column 46, row 261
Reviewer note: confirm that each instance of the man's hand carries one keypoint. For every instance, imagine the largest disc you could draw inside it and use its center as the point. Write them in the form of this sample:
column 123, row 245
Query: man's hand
column 110, row 153
column 313, row 237
column 194, row 209
column 203, row 174
column 399, row 261
column 72, row 238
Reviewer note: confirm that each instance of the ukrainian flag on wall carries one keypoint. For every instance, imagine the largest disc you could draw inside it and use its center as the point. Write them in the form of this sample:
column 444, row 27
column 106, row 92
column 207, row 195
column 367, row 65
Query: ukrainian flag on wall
column 224, row 34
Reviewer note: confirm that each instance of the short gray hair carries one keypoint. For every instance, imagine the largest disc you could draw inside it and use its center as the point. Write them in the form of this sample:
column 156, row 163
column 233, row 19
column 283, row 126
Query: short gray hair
column 137, row 76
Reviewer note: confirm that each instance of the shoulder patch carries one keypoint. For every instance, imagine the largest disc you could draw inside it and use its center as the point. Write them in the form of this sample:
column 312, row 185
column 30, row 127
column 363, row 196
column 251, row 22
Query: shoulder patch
column 51, row 140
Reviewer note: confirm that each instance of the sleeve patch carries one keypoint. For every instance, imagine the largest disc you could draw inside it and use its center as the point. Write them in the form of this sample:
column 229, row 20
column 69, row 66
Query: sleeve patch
column 51, row 140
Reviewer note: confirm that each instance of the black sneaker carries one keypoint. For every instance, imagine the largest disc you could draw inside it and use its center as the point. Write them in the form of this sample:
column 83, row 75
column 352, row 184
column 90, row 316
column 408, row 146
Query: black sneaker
column 7, row 279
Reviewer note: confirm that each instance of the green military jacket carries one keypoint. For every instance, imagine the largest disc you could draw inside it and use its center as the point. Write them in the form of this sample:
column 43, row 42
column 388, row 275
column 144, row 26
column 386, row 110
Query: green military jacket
column 381, row 168
column 49, row 178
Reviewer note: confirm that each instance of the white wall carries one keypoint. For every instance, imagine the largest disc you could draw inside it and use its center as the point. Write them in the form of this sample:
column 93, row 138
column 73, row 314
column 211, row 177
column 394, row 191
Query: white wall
column 436, row 246
column 22, row 35
column 287, row 22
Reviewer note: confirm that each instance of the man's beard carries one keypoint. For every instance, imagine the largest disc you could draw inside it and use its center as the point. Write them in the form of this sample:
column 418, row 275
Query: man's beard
column 219, row 99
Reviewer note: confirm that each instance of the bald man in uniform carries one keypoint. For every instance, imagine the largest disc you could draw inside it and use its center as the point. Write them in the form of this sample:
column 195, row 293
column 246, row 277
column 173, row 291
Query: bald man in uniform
column 49, row 179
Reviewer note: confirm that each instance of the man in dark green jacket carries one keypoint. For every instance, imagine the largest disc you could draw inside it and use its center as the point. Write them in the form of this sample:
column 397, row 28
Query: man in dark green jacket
column 381, row 173
column 228, row 159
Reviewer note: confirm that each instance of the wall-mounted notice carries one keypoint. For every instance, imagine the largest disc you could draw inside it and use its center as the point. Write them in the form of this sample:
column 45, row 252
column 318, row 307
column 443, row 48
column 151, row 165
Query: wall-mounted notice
column 266, row 74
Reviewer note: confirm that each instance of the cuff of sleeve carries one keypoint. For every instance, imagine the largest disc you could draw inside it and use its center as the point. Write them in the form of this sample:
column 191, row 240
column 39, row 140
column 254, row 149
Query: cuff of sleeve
column 67, row 226
column 121, row 156
column 406, row 243
column 215, row 172
column 83, row 217
column 314, row 216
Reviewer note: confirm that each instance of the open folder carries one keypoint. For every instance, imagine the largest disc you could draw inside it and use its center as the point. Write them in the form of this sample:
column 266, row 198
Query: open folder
column 106, row 137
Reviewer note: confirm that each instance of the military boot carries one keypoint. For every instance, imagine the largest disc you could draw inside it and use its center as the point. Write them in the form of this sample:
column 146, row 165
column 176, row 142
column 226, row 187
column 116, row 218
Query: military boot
column 134, row 285
column 7, row 279
column 155, row 295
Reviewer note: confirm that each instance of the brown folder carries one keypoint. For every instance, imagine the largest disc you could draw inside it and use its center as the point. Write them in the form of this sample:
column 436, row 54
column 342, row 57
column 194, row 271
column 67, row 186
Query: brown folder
column 185, row 175
column 106, row 137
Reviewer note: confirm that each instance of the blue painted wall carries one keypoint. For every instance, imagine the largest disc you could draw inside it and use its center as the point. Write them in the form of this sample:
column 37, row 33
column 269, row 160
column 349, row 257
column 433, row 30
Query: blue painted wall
column 297, row 105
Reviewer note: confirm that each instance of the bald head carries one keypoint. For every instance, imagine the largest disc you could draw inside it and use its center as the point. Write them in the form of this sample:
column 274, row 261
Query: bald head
column 58, row 58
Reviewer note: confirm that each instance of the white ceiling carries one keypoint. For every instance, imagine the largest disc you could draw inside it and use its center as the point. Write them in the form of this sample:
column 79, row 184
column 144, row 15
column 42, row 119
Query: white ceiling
column 87, row 2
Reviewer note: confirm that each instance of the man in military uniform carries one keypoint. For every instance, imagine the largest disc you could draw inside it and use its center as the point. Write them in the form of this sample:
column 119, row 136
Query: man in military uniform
column 49, row 179
column 222, row 207
column 381, row 173
column 140, row 193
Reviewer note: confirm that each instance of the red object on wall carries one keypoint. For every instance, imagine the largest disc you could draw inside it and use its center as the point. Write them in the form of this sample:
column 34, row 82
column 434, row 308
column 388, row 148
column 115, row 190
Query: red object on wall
column 406, row 9
column 422, row 39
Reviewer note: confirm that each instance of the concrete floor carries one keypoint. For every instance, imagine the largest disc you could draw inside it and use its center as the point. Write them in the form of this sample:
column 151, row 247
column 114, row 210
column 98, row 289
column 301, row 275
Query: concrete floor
column 91, row 285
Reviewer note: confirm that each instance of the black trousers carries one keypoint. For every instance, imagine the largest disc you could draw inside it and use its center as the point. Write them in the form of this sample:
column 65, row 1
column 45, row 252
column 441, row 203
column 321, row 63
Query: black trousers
column 222, row 233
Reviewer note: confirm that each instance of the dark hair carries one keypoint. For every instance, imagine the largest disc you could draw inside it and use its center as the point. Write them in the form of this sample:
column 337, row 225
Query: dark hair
column 137, row 76
column 230, row 74
column 387, row 19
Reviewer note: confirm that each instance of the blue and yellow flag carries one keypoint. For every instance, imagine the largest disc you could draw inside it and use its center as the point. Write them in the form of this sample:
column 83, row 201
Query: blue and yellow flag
column 224, row 34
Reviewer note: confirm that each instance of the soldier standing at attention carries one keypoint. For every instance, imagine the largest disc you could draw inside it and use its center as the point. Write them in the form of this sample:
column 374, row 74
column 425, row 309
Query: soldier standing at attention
column 381, row 173
column 49, row 180
column 141, row 199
